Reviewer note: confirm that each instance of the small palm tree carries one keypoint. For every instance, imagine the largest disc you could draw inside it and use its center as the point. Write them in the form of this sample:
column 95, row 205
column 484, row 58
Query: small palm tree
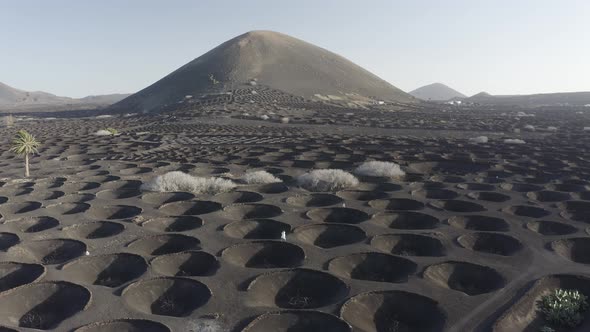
column 24, row 144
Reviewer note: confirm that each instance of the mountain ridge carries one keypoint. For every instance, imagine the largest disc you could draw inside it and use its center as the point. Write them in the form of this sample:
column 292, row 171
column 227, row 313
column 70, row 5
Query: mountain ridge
column 17, row 99
column 580, row 98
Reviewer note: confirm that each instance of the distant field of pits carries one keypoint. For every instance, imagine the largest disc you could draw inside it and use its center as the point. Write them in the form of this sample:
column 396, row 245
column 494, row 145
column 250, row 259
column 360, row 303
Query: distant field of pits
column 470, row 237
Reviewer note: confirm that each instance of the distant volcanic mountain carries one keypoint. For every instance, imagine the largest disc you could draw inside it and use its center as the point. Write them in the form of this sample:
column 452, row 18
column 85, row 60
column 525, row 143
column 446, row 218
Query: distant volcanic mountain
column 534, row 100
column 272, row 60
column 436, row 92
column 16, row 97
column 18, row 100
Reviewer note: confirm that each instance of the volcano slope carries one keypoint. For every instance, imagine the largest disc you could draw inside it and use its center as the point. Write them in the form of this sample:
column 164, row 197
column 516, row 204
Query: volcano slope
column 271, row 60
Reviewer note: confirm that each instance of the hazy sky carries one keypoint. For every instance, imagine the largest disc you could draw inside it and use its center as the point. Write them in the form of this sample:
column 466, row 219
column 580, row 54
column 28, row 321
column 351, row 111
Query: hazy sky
column 82, row 47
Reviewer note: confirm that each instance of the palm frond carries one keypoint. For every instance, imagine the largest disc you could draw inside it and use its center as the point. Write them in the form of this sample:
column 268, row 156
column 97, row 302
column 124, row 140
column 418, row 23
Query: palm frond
column 24, row 143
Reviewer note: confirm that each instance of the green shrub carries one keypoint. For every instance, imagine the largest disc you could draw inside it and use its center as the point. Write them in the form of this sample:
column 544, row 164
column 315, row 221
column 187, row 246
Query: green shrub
column 563, row 308
column 213, row 79
column 113, row 131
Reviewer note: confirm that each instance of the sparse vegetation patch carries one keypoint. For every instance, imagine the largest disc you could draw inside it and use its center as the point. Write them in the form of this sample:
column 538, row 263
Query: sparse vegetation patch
column 179, row 181
column 259, row 177
column 563, row 308
column 327, row 180
column 479, row 139
column 514, row 141
column 380, row 168
column 102, row 132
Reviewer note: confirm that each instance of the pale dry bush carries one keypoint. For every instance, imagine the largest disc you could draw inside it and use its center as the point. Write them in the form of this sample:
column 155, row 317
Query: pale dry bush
column 179, row 181
column 103, row 132
column 259, row 177
column 479, row 139
column 380, row 168
column 204, row 325
column 327, row 180
column 9, row 120
column 514, row 141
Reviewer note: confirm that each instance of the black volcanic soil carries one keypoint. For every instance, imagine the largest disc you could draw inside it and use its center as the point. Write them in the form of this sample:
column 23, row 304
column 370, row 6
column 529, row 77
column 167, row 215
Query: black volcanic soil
column 466, row 241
